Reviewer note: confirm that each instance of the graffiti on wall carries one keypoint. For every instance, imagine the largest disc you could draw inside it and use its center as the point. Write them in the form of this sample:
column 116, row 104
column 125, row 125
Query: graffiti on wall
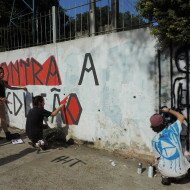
column 92, row 68
column 72, row 110
column 180, row 79
column 31, row 72
column 179, row 75
column 70, row 113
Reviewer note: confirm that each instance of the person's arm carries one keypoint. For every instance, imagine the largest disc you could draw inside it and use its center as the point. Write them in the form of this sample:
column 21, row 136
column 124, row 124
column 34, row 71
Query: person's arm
column 156, row 154
column 1, row 99
column 55, row 112
column 15, row 87
column 4, row 100
column 179, row 116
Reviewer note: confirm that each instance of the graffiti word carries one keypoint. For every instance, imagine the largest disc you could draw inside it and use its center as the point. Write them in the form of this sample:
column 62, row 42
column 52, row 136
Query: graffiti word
column 70, row 113
column 67, row 159
column 31, row 72
column 92, row 68
column 72, row 110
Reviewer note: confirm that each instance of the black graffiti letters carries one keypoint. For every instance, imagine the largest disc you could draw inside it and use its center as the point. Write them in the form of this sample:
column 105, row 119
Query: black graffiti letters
column 26, row 64
column 16, row 99
column 7, row 104
column 35, row 74
column 17, row 103
column 77, row 161
column 92, row 68
column 67, row 159
column 14, row 67
column 53, row 66
column 180, row 83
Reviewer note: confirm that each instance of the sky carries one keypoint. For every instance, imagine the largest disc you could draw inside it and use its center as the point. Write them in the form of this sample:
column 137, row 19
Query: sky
column 81, row 7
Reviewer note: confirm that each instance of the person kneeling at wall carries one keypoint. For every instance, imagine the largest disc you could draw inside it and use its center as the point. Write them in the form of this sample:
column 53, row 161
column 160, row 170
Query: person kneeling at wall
column 34, row 121
column 166, row 145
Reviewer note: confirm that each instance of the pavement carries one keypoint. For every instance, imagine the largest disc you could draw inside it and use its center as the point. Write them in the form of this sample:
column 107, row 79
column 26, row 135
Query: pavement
column 76, row 167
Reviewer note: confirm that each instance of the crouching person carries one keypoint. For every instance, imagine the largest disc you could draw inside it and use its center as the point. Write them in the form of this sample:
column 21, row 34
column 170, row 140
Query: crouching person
column 172, row 164
column 34, row 121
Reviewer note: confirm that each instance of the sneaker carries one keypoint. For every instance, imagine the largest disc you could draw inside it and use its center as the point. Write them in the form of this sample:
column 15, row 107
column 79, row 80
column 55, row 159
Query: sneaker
column 166, row 181
column 31, row 144
column 41, row 144
column 10, row 136
column 35, row 145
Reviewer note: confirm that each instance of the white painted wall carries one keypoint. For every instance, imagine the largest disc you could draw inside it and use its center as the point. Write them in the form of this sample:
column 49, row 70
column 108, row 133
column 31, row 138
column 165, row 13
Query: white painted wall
column 116, row 112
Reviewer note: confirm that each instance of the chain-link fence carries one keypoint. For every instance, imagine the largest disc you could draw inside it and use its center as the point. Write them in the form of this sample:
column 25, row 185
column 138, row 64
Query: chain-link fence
column 89, row 18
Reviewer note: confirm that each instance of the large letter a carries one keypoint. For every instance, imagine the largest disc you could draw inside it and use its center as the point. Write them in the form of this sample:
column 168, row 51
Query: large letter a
column 88, row 70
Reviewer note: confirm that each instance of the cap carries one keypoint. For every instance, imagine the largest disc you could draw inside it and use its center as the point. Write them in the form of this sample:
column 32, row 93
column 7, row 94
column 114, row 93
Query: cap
column 156, row 120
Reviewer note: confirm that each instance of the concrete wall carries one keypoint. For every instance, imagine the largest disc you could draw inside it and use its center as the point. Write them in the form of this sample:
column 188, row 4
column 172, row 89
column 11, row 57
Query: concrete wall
column 116, row 89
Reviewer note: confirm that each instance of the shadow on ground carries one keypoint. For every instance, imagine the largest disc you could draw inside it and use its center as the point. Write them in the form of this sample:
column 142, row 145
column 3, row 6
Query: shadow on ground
column 17, row 156
column 4, row 142
column 185, row 180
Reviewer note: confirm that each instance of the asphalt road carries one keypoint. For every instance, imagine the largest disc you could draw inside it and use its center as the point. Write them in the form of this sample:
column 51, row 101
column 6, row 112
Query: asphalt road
column 76, row 167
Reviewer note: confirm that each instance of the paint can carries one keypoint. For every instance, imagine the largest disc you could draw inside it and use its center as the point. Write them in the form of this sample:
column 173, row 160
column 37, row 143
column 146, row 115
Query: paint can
column 139, row 168
column 150, row 171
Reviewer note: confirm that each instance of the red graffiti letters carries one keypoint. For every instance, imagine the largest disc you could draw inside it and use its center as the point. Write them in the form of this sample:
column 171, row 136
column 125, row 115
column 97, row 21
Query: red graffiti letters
column 31, row 72
column 72, row 110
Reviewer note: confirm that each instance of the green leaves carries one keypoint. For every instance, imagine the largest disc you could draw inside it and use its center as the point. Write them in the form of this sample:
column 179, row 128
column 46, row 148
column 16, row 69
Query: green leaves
column 172, row 18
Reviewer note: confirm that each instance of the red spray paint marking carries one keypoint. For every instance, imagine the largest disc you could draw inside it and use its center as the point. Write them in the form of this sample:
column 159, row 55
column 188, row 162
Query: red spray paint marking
column 72, row 110
column 31, row 72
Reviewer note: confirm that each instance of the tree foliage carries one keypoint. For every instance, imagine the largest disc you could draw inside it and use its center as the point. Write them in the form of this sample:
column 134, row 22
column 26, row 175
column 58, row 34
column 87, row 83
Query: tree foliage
column 103, row 20
column 169, row 19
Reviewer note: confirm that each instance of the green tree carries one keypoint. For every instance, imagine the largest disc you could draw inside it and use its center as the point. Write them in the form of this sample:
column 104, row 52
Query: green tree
column 126, row 20
column 169, row 20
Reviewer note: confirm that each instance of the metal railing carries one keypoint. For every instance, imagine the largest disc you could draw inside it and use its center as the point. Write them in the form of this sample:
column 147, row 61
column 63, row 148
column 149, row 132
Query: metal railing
column 62, row 24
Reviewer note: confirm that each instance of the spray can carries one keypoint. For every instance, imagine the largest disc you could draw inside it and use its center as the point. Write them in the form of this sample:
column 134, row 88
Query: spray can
column 139, row 168
column 150, row 171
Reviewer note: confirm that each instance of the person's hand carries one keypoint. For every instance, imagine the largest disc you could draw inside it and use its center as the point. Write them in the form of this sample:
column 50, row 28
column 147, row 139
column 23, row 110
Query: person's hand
column 6, row 101
column 165, row 109
column 62, row 105
column 3, row 100
column 25, row 89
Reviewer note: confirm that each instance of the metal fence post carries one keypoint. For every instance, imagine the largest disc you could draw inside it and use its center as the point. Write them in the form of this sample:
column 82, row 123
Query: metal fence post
column 92, row 17
column 54, row 24
column 115, row 14
column 33, row 22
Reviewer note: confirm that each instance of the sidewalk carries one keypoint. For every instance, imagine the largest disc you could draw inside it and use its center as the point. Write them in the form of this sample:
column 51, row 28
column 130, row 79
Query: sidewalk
column 72, row 168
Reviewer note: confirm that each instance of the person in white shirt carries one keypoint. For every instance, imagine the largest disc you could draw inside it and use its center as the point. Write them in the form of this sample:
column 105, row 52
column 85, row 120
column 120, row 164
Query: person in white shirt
column 166, row 145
